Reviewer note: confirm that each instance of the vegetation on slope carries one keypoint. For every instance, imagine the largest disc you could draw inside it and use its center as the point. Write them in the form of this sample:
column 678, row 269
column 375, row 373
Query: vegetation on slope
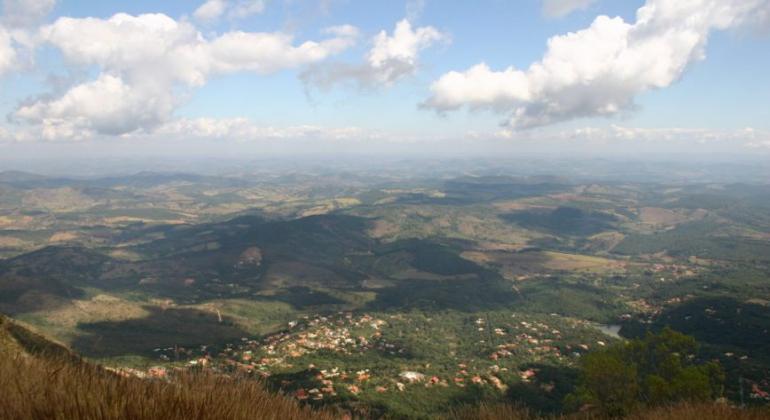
column 38, row 384
column 656, row 370
column 684, row 411
column 42, row 380
column 15, row 339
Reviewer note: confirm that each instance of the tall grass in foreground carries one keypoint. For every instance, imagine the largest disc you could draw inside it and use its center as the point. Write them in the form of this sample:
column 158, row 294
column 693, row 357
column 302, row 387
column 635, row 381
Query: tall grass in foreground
column 702, row 411
column 58, row 388
column 43, row 380
column 42, row 388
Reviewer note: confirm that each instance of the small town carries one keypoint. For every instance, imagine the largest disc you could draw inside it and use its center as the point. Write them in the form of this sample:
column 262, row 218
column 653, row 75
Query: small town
column 520, row 348
column 504, row 354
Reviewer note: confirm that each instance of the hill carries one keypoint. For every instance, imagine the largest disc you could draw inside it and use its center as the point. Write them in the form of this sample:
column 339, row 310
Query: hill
column 42, row 380
column 16, row 340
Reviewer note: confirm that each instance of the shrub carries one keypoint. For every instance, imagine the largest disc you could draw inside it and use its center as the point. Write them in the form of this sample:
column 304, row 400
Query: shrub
column 656, row 370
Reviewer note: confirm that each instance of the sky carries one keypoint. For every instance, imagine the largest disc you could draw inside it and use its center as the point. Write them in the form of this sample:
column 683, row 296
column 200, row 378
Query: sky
column 232, row 78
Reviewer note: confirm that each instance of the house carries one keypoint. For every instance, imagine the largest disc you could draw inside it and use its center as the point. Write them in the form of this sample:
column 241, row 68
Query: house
column 412, row 377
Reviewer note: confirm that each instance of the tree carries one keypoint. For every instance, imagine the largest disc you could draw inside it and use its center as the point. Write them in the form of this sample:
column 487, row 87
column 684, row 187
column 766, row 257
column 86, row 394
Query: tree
column 658, row 369
column 607, row 383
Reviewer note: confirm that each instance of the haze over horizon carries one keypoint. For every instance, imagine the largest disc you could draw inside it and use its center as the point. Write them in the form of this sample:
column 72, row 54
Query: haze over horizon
column 259, row 78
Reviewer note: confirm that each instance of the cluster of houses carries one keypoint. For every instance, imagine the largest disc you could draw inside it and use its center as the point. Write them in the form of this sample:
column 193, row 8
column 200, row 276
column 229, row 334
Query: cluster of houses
column 538, row 341
column 505, row 352
column 676, row 271
column 344, row 334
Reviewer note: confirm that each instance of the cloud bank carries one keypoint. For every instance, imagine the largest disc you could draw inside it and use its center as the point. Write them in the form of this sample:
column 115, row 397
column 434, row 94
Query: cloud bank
column 146, row 64
column 244, row 130
column 597, row 71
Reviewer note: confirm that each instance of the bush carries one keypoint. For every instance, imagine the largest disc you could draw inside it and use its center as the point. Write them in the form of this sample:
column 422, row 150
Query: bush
column 657, row 370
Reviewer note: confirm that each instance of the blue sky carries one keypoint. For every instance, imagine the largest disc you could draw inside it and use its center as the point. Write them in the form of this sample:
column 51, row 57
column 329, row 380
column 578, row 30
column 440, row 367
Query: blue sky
column 65, row 79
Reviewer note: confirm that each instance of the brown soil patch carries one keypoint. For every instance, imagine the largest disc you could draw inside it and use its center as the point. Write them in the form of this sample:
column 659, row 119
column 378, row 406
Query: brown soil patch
column 382, row 229
column 63, row 237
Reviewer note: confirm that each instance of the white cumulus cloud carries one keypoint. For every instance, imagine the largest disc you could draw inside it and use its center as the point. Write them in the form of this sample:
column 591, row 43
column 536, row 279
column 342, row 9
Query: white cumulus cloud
column 561, row 8
column 146, row 60
column 215, row 9
column 25, row 13
column 391, row 58
column 8, row 54
column 396, row 55
column 246, row 8
column 107, row 105
column 18, row 21
column 597, row 71
column 210, row 10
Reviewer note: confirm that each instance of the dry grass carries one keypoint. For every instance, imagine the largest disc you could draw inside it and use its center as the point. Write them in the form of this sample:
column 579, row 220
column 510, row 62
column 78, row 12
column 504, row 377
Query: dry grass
column 577, row 262
column 64, row 236
column 512, row 265
column 40, row 379
column 101, row 307
column 53, row 388
column 660, row 216
column 606, row 241
column 13, row 242
column 382, row 228
column 328, row 206
column 702, row 412
column 521, row 205
column 57, row 199
column 492, row 412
